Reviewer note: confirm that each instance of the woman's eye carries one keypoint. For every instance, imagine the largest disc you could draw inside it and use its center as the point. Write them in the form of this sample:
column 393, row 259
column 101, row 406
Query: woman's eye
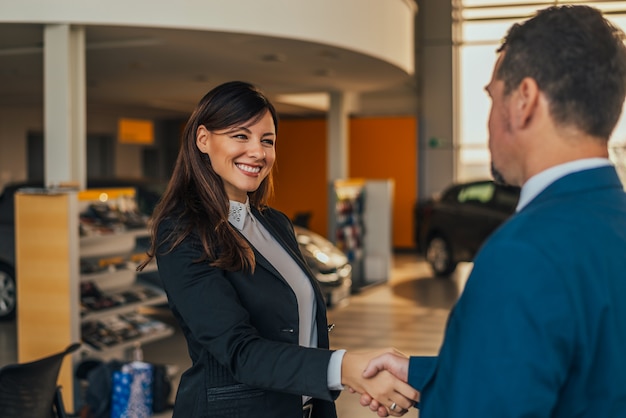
column 269, row 142
column 240, row 136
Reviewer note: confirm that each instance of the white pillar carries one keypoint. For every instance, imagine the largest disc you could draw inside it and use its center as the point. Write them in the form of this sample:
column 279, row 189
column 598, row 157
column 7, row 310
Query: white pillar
column 64, row 105
column 437, row 153
column 338, row 136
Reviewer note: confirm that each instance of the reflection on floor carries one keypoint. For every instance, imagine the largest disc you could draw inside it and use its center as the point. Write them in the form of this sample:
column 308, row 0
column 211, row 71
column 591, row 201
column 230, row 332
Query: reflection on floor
column 409, row 313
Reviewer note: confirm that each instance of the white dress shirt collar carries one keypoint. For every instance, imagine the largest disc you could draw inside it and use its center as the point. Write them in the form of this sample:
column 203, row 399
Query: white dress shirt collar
column 539, row 182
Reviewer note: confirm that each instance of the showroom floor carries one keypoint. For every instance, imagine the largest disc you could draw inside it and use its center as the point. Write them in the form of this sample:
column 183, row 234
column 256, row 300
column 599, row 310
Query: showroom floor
column 409, row 313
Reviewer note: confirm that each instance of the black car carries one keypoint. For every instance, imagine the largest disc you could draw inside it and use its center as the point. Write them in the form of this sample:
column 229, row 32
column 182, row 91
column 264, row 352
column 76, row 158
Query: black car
column 452, row 227
column 328, row 263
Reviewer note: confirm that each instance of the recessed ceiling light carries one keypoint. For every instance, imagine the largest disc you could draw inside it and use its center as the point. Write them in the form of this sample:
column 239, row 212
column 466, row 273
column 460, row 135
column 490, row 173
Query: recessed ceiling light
column 201, row 78
column 324, row 72
column 274, row 57
column 326, row 53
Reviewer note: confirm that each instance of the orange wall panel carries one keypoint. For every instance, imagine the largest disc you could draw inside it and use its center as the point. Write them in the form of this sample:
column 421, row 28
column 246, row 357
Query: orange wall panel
column 380, row 148
column 386, row 148
column 300, row 171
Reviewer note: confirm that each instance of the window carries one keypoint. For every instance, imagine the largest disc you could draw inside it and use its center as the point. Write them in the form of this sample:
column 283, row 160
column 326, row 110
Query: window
column 480, row 26
column 477, row 193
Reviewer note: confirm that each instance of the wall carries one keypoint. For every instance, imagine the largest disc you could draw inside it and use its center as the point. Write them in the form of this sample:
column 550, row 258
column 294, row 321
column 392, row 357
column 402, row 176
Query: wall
column 300, row 173
column 379, row 148
column 382, row 148
column 15, row 123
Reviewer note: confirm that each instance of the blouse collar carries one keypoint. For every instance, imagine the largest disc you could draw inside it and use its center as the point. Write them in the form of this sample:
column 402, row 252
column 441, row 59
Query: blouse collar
column 237, row 213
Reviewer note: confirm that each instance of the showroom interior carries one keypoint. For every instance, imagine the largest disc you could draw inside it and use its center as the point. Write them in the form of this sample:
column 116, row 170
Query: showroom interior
column 386, row 97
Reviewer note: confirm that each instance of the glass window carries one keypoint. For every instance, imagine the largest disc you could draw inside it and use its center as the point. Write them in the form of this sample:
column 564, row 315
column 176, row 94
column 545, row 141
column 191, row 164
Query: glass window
column 477, row 193
column 483, row 23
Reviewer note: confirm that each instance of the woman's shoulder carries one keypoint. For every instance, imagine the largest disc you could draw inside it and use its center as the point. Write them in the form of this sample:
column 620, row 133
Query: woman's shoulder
column 172, row 226
column 167, row 224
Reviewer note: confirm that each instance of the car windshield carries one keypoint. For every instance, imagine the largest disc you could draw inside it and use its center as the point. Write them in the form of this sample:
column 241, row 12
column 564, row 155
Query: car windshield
column 481, row 193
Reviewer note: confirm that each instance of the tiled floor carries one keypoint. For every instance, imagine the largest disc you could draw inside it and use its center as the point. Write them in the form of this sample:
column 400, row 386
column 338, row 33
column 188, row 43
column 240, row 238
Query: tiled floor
column 408, row 313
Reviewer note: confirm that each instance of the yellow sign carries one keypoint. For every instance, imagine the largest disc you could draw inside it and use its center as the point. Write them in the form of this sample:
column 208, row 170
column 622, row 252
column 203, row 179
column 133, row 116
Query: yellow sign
column 135, row 131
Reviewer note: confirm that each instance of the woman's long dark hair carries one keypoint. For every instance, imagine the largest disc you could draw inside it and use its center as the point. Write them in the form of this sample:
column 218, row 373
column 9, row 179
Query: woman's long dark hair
column 195, row 198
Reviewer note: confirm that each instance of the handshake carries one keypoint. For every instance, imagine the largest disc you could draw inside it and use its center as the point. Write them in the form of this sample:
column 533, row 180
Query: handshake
column 380, row 377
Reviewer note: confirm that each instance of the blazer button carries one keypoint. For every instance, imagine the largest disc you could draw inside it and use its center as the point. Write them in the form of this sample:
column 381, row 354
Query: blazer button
column 289, row 330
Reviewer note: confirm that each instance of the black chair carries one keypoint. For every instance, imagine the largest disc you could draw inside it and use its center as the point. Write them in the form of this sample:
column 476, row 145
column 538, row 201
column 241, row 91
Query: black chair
column 31, row 390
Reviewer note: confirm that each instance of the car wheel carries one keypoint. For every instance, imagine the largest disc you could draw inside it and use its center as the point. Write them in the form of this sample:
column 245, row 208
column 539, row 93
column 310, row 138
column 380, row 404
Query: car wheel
column 8, row 296
column 439, row 256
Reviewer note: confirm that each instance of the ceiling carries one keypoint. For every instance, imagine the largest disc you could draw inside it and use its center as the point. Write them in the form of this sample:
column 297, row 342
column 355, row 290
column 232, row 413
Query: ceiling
column 165, row 72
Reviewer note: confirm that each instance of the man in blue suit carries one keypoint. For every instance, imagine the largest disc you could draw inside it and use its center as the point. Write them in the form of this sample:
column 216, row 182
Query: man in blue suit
column 540, row 329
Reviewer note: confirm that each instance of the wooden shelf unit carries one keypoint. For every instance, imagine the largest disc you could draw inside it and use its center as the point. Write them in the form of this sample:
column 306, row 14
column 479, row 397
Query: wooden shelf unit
column 49, row 251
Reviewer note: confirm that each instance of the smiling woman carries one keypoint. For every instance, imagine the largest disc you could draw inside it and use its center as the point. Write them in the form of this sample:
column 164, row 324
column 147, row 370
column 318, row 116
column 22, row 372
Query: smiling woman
column 242, row 156
column 237, row 281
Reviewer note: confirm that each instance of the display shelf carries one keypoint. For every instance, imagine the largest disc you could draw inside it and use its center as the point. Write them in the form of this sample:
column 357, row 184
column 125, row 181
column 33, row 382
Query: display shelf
column 88, row 349
column 111, row 277
column 143, row 294
column 121, row 331
column 63, row 252
column 109, row 244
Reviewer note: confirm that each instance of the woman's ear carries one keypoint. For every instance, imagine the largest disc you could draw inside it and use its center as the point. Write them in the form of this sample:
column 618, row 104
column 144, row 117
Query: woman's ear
column 202, row 139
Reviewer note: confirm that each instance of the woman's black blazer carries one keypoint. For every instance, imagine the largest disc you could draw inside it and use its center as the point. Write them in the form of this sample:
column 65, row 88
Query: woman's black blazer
column 242, row 333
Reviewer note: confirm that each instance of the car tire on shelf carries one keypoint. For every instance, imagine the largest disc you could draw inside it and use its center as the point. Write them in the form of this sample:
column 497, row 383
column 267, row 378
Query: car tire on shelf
column 439, row 256
column 8, row 295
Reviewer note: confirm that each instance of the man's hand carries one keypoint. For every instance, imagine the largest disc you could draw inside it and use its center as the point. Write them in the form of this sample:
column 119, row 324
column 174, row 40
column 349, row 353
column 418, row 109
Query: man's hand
column 392, row 394
column 395, row 363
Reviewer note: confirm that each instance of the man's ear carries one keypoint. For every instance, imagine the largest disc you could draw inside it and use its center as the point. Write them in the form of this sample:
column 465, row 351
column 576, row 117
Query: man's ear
column 202, row 139
column 525, row 102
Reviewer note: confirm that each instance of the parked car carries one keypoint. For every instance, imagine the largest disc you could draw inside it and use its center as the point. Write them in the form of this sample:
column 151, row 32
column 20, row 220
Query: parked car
column 452, row 227
column 328, row 263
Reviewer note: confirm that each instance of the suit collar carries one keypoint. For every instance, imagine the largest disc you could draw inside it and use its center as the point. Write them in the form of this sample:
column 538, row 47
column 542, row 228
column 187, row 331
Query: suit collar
column 279, row 235
column 580, row 182
column 539, row 182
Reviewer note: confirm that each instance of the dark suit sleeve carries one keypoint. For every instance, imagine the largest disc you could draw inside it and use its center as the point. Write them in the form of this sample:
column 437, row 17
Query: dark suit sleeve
column 508, row 342
column 207, row 303
column 421, row 370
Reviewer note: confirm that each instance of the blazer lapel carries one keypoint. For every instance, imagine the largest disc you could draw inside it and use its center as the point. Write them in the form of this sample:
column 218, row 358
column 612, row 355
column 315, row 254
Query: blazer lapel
column 279, row 236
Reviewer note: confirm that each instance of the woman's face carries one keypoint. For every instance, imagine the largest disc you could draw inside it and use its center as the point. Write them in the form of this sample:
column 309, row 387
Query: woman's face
column 242, row 155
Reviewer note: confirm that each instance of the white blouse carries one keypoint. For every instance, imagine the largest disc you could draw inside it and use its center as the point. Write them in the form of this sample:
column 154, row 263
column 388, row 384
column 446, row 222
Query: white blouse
column 242, row 218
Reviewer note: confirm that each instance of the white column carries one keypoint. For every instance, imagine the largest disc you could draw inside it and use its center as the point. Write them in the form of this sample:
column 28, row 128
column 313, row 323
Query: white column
column 338, row 143
column 338, row 135
column 436, row 111
column 64, row 105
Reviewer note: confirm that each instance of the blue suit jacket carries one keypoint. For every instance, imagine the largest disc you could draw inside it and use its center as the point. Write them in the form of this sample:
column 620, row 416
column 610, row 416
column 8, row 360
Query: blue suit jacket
column 540, row 329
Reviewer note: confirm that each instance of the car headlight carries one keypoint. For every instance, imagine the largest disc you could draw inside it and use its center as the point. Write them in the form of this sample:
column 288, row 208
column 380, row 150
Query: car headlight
column 345, row 271
column 327, row 278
